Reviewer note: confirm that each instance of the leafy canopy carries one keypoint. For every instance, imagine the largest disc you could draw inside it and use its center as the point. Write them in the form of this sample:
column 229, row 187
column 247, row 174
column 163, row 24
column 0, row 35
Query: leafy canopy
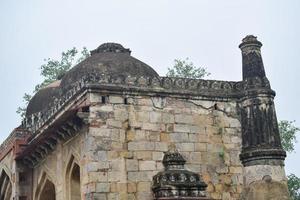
column 294, row 186
column 288, row 133
column 54, row 70
column 186, row 69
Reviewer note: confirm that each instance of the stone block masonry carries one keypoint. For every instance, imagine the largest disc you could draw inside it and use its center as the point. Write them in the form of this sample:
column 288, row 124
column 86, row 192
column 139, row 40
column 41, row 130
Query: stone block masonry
column 134, row 137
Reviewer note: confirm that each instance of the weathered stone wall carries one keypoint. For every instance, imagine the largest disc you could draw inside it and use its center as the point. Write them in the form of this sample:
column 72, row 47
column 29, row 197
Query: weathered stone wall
column 127, row 138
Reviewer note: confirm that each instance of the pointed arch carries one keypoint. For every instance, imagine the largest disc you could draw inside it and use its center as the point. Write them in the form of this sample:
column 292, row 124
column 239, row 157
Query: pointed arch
column 45, row 189
column 73, row 179
column 5, row 186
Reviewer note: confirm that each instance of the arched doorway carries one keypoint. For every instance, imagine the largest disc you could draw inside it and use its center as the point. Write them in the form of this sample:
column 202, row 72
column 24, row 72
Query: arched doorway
column 5, row 186
column 48, row 191
column 45, row 189
column 73, row 180
column 75, row 183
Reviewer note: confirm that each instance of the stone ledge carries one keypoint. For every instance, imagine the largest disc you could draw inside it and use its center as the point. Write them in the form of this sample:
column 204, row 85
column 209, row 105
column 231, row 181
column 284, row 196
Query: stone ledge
column 263, row 156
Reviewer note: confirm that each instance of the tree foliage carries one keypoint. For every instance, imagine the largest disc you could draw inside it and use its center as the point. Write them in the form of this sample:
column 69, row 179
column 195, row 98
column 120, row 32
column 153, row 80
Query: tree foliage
column 288, row 132
column 53, row 70
column 186, row 69
column 22, row 110
column 294, row 186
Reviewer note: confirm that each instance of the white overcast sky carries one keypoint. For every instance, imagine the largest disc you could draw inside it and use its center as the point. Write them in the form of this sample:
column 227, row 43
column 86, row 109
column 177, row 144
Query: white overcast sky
column 157, row 32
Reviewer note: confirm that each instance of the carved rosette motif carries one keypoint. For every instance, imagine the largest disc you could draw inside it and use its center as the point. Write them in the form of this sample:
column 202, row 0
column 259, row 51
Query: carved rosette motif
column 175, row 182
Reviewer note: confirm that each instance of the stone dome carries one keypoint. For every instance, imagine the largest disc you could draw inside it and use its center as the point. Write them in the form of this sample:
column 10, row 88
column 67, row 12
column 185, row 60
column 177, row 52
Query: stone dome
column 42, row 98
column 109, row 59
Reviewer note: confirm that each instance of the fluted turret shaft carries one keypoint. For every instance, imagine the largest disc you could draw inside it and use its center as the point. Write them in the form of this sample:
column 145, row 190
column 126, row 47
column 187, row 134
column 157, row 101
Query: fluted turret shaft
column 260, row 134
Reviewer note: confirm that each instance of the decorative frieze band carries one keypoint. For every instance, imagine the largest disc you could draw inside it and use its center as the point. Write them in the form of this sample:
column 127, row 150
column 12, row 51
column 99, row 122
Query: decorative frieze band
column 200, row 87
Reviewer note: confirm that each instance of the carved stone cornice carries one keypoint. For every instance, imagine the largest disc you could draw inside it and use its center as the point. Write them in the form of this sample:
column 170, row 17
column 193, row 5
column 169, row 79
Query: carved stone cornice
column 210, row 89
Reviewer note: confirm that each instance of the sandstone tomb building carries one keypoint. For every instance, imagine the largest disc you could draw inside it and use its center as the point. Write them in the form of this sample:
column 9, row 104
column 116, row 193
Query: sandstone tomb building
column 112, row 128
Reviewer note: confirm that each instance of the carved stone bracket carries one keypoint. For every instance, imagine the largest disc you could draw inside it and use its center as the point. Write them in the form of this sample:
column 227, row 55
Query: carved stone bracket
column 32, row 156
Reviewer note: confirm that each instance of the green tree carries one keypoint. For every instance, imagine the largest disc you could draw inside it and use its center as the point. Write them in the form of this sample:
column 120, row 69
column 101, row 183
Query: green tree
column 186, row 69
column 294, row 186
column 288, row 133
column 54, row 70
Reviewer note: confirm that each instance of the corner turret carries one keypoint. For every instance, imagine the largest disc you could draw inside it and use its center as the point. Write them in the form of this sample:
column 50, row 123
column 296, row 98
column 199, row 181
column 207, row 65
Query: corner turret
column 252, row 61
column 262, row 154
column 260, row 133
